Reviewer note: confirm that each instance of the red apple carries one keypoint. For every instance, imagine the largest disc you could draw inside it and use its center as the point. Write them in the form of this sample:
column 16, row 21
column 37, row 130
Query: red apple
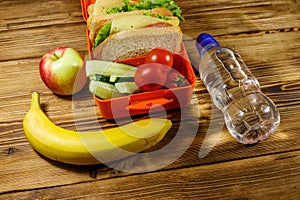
column 59, row 68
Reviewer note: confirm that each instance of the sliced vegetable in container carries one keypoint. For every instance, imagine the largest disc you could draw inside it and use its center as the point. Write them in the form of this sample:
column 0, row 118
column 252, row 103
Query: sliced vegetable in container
column 156, row 73
column 109, row 79
column 126, row 87
column 101, row 89
column 109, row 68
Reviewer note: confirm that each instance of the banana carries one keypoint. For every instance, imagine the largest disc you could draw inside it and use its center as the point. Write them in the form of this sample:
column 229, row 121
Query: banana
column 94, row 147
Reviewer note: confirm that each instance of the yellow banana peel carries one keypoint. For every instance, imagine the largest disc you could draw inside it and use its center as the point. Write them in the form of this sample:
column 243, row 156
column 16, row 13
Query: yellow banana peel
column 94, row 147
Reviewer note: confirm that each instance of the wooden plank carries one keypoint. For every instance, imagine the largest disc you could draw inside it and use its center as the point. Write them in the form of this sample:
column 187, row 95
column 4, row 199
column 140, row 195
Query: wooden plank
column 33, row 43
column 254, row 178
column 40, row 27
column 239, row 17
column 27, row 14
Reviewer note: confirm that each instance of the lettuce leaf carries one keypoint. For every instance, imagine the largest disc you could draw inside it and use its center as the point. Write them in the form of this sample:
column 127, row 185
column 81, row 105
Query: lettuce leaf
column 148, row 5
column 102, row 34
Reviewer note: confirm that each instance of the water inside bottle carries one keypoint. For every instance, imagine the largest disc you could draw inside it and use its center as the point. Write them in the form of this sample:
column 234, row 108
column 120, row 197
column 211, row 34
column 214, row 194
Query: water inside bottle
column 251, row 118
column 249, row 115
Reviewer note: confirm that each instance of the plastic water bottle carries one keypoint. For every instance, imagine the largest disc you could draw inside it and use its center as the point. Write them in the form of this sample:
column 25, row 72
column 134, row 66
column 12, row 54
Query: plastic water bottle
column 249, row 115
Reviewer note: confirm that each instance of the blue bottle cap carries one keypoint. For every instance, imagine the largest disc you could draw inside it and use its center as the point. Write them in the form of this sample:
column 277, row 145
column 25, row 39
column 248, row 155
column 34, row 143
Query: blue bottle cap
column 205, row 39
column 205, row 42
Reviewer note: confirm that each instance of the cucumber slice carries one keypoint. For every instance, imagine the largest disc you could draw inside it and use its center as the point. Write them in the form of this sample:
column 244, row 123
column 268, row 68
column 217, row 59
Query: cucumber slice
column 107, row 68
column 126, row 87
column 111, row 79
column 101, row 89
column 99, row 77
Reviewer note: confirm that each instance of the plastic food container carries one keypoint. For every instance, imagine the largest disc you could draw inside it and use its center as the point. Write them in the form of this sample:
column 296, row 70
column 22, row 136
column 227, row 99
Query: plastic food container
column 84, row 9
column 141, row 103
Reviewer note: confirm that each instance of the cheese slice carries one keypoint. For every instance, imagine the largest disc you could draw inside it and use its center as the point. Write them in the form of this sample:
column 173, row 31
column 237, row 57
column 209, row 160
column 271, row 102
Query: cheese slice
column 124, row 23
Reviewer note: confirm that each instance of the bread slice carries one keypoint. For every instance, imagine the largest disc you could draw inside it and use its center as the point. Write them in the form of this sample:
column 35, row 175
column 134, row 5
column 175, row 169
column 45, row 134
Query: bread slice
column 95, row 22
column 138, row 42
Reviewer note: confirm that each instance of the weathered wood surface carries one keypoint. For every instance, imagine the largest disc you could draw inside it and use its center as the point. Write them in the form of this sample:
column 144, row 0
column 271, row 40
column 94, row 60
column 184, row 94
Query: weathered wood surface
column 265, row 33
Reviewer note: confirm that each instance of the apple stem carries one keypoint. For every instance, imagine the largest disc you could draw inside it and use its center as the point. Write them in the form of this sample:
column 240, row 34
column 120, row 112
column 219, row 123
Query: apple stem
column 56, row 56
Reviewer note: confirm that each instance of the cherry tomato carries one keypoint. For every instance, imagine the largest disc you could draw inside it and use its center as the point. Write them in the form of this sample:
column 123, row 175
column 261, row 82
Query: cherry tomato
column 176, row 79
column 160, row 55
column 151, row 76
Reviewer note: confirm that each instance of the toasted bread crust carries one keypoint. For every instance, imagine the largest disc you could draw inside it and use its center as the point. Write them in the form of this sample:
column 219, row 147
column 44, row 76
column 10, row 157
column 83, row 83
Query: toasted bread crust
column 138, row 42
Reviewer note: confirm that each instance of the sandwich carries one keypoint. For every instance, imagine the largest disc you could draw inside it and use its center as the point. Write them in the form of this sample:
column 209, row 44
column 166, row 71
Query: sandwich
column 120, row 29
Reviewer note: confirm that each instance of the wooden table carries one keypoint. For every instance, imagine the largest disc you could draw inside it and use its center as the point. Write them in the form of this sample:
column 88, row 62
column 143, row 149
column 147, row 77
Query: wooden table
column 265, row 33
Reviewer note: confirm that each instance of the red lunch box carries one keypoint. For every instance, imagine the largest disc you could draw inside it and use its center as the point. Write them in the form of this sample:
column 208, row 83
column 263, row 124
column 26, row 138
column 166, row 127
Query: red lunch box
column 141, row 103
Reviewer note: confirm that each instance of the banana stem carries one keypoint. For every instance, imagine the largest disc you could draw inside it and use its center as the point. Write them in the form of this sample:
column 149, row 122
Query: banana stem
column 35, row 100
